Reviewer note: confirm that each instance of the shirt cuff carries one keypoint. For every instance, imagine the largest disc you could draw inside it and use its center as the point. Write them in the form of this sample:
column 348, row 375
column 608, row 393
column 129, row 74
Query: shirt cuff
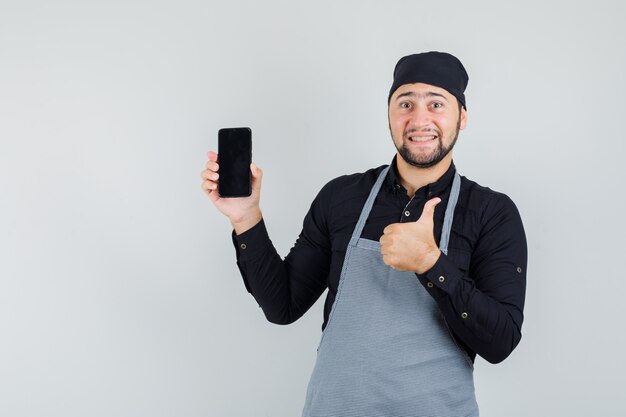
column 252, row 243
column 442, row 279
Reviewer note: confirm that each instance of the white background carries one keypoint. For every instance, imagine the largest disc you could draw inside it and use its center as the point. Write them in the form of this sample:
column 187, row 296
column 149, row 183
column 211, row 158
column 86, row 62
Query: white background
column 119, row 292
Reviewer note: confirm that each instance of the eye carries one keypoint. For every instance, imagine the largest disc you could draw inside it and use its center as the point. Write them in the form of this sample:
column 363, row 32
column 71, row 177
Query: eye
column 405, row 105
column 437, row 105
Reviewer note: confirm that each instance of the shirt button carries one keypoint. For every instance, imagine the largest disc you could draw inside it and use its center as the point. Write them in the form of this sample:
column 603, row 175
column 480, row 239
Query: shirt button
column 441, row 279
column 407, row 213
column 243, row 246
column 429, row 284
column 464, row 315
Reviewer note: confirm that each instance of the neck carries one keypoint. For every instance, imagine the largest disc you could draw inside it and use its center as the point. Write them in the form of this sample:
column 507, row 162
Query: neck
column 413, row 178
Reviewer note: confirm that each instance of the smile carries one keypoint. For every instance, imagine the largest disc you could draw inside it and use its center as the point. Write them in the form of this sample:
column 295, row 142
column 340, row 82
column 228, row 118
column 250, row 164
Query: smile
column 422, row 138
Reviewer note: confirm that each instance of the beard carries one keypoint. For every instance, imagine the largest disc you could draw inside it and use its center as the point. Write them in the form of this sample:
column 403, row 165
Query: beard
column 428, row 160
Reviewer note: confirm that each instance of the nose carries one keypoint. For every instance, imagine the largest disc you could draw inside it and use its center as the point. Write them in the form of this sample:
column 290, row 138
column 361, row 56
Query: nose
column 420, row 117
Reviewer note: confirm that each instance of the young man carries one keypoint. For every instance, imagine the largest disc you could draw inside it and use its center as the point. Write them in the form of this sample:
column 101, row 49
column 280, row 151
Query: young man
column 425, row 268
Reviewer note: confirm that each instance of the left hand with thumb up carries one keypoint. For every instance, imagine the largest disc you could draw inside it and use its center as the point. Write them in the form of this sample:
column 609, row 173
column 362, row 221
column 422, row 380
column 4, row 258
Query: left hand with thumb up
column 411, row 246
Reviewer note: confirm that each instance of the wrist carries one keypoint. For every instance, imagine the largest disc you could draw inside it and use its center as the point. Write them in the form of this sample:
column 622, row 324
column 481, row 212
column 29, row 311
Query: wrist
column 247, row 222
column 428, row 261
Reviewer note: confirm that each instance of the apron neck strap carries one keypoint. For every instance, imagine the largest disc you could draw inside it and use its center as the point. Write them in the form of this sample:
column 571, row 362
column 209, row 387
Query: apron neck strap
column 447, row 220
column 356, row 235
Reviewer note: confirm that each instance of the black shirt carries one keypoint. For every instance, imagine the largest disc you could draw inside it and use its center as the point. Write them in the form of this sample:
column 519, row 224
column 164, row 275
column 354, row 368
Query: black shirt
column 483, row 290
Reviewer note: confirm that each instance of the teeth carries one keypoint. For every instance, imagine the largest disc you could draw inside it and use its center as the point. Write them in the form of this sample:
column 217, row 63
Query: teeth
column 421, row 139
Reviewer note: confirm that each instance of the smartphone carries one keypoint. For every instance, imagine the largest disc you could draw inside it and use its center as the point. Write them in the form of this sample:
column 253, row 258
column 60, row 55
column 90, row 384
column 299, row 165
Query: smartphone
column 234, row 156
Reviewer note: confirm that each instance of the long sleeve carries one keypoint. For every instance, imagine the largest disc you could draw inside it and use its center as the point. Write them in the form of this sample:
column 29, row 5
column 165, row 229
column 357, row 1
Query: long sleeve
column 483, row 305
column 285, row 289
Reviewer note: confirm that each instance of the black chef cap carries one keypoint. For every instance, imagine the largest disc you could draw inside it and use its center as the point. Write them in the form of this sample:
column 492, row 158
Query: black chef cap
column 435, row 68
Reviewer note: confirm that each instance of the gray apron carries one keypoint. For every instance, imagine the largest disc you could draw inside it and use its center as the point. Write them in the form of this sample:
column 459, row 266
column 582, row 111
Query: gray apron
column 386, row 350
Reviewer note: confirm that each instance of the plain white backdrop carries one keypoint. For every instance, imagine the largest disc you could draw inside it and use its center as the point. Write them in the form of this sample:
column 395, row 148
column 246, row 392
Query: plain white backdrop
column 119, row 292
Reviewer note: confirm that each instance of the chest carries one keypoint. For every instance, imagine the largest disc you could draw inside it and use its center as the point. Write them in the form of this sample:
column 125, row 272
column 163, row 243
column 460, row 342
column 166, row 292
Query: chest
column 391, row 208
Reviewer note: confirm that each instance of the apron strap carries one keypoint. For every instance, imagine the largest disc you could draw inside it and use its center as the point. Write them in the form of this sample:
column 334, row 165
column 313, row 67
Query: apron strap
column 356, row 234
column 447, row 220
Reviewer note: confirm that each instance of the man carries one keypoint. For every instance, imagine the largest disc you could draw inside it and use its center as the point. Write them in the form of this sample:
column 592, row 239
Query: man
column 425, row 268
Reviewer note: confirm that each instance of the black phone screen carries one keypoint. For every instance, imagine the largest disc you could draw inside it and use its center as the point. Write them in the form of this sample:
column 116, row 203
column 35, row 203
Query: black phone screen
column 234, row 158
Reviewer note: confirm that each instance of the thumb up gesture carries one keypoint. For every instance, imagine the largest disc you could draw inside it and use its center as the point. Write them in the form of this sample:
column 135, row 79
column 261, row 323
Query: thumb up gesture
column 411, row 246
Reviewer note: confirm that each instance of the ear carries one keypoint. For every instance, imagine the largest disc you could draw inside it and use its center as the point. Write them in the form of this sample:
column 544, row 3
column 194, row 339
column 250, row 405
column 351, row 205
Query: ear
column 463, row 118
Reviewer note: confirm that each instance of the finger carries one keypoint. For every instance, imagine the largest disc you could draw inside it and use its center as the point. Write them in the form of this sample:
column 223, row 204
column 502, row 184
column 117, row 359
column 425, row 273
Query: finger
column 429, row 209
column 388, row 229
column 209, row 186
column 207, row 174
column 386, row 243
column 212, row 165
column 256, row 171
column 257, row 175
column 214, row 195
column 211, row 155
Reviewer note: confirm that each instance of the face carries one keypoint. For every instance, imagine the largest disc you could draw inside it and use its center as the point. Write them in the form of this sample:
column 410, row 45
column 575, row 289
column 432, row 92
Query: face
column 424, row 122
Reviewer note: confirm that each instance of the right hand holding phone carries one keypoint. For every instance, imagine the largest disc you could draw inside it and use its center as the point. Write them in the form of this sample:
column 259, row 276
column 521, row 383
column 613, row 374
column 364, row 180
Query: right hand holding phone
column 243, row 212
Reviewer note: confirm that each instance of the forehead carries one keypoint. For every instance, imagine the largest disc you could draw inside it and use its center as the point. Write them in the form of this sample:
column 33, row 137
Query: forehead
column 421, row 89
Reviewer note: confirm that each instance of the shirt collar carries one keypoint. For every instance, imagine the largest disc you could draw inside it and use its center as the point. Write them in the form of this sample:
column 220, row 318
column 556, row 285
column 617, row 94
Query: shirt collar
column 434, row 189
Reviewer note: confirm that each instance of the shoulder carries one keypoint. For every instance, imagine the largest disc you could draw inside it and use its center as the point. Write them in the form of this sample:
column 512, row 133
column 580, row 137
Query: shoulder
column 349, row 186
column 486, row 202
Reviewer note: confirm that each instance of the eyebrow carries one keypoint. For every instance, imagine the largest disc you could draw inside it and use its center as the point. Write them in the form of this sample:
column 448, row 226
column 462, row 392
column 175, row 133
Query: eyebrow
column 421, row 95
